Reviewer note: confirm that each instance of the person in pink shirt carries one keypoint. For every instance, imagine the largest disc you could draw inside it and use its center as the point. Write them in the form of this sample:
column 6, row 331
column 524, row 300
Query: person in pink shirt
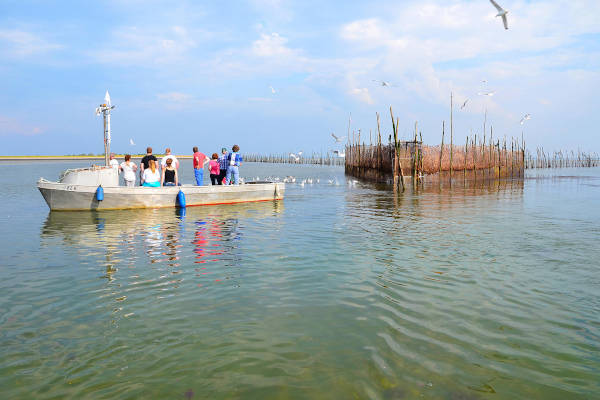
column 199, row 161
column 215, row 169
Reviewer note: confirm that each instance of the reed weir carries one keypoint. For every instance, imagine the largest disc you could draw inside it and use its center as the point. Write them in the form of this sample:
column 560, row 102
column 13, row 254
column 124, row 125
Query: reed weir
column 314, row 158
column 561, row 159
column 481, row 157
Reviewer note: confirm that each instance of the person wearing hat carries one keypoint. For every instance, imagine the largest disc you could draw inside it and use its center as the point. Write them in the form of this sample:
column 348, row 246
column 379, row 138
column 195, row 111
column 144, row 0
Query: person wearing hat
column 199, row 161
column 223, row 163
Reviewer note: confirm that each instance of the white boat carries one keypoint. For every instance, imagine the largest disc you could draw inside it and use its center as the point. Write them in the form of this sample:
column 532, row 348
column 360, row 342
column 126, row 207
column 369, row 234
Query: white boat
column 66, row 195
column 97, row 188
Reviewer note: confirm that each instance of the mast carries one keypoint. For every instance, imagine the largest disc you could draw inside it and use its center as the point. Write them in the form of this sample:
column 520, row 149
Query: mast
column 105, row 109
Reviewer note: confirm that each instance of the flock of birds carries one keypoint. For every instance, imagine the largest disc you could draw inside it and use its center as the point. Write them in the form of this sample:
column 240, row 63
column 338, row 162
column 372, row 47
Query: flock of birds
column 302, row 182
column 489, row 93
column 339, row 139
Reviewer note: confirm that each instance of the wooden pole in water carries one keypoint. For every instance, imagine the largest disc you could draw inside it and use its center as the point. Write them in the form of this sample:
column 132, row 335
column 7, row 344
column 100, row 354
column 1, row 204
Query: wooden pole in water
column 441, row 149
column 466, row 153
column 451, row 134
column 379, row 155
column 398, row 155
column 492, row 145
column 397, row 164
column 420, row 155
column 415, row 155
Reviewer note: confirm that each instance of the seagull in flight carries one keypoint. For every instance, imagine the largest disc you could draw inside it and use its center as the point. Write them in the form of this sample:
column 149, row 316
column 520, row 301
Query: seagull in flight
column 339, row 153
column 131, row 142
column 464, row 104
column 384, row 83
column 272, row 89
column 338, row 139
column 501, row 13
column 526, row 117
column 487, row 93
column 295, row 157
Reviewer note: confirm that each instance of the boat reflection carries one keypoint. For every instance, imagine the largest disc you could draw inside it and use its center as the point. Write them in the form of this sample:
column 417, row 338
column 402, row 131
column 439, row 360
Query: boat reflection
column 163, row 237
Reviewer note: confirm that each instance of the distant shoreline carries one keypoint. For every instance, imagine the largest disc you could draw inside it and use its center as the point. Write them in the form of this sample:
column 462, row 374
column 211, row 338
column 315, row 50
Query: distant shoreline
column 76, row 158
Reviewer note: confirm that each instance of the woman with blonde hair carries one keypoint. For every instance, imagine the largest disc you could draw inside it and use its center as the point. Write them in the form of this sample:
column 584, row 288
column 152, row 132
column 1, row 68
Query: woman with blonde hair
column 151, row 175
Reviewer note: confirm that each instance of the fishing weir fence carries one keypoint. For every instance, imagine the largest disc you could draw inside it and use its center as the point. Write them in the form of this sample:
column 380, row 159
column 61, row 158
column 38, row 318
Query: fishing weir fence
column 480, row 158
column 314, row 158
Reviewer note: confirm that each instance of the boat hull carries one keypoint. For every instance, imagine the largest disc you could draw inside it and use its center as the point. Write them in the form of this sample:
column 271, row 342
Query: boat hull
column 68, row 197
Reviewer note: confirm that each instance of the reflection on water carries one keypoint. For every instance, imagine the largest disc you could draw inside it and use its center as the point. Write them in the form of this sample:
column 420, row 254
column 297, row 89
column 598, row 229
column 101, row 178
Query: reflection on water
column 212, row 233
column 339, row 291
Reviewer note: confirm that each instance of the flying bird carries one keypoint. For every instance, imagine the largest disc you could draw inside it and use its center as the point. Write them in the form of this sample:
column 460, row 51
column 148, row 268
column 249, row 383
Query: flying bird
column 338, row 139
column 464, row 104
column 526, row 117
column 272, row 89
column 501, row 13
column 295, row 157
column 487, row 93
column 339, row 153
column 131, row 142
column 384, row 83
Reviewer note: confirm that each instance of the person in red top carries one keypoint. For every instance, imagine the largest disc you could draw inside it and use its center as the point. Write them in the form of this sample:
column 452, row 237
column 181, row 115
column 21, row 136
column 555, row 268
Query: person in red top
column 213, row 167
column 199, row 161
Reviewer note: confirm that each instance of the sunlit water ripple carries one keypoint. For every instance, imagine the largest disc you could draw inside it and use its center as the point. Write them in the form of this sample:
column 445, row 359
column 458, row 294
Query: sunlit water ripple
column 342, row 290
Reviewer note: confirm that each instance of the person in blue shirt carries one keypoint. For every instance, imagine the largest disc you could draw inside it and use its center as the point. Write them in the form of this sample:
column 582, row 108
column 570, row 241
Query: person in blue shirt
column 234, row 160
column 223, row 165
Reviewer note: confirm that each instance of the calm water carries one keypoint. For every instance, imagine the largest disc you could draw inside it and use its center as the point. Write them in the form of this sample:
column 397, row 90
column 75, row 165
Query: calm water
column 341, row 291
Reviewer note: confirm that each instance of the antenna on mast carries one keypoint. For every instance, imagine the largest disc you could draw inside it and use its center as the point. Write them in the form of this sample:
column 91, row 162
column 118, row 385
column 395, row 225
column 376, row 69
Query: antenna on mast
column 104, row 109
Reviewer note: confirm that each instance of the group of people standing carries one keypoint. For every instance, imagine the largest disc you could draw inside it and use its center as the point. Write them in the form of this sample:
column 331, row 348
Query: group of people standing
column 224, row 169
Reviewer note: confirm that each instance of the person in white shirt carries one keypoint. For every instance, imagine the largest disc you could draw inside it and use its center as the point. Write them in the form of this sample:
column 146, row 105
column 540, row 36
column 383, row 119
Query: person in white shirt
column 168, row 155
column 128, row 167
column 113, row 161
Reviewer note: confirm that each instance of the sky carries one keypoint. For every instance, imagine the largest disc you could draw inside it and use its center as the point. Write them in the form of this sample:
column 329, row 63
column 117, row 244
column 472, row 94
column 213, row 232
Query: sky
column 278, row 76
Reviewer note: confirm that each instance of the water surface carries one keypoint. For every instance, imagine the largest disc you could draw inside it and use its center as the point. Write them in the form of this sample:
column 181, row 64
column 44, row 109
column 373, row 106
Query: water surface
column 342, row 290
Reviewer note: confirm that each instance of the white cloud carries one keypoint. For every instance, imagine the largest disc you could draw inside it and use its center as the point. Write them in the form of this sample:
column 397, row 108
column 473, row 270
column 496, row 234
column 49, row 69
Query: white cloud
column 11, row 126
column 362, row 94
column 148, row 47
column 20, row 43
column 271, row 45
column 174, row 97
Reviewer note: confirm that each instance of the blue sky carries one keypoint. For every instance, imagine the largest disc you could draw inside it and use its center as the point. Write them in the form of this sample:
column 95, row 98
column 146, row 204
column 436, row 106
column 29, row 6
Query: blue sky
column 184, row 73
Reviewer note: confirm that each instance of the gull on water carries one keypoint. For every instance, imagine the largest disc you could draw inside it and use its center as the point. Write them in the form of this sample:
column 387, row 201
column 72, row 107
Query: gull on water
column 526, row 117
column 501, row 13
column 338, row 139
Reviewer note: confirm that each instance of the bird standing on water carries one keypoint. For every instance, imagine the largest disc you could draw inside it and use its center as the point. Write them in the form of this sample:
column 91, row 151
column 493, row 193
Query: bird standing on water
column 501, row 13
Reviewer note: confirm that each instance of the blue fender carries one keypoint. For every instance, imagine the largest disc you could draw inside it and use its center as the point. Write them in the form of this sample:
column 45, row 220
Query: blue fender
column 181, row 199
column 100, row 193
